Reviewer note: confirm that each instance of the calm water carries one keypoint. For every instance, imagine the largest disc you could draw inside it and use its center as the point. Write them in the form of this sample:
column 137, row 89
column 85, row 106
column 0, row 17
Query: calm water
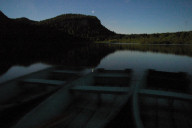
column 17, row 71
column 141, row 61
column 121, row 59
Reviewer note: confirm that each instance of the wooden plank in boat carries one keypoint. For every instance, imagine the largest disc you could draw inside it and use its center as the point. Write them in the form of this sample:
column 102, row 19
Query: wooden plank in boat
column 65, row 73
column 166, row 94
column 43, row 82
column 47, row 110
column 188, row 108
column 168, row 80
column 87, row 110
column 101, row 115
column 101, row 89
column 65, row 119
column 106, row 112
column 164, row 113
column 112, row 77
column 148, row 111
column 116, row 75
column 112, row 80
column 81, row 119
column 61, row 121
column 102, row 70
column 180, row 118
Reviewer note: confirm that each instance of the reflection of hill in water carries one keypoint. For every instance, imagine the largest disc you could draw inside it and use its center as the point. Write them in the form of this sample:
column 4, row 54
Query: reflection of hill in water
column 77, row 56
column 90, row 55
column 169, row 49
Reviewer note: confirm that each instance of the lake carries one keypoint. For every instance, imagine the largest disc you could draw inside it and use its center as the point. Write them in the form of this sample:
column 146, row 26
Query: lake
column 139, row 59
column 17, row 71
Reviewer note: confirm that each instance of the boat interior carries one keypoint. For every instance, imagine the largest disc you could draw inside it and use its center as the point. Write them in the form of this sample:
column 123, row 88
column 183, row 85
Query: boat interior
column 164, row 100
column 75, row 98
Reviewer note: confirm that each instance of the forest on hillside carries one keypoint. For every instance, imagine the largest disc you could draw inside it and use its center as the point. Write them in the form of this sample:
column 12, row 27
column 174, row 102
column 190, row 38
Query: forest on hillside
column 158, row 38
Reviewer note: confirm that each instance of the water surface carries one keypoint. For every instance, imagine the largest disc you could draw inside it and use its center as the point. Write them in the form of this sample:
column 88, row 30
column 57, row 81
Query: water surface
column 171, row 58
column 141, row 61
column 17, row 71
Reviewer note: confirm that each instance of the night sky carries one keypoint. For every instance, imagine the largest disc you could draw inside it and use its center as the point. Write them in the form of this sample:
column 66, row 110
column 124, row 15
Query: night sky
column 121, row 16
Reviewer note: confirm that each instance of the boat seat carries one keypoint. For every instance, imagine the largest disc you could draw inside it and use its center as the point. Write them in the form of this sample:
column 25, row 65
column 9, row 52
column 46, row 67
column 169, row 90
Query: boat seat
column 166, row 94
column 175, row 81
column 113, row 77
column 63, row 75
column 65, row 71
column 42, row 82
column 113, row 80
column 101, row 89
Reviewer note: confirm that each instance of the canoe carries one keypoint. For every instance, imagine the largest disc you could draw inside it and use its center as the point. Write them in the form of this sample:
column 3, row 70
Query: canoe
column 20, row 95
column 163, row 100
column 91, row 101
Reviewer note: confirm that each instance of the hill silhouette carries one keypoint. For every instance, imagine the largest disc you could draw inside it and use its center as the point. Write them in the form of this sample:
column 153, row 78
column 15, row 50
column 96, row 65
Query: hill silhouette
column 79, row 25
column 67, row 27
column 23, row 35
column 3, row 17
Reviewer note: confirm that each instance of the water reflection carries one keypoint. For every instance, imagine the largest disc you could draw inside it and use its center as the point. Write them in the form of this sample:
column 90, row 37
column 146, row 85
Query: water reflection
column 171, row 58
column 141, row 61
column 17, row 71
column 89, row 56
column 170, row 49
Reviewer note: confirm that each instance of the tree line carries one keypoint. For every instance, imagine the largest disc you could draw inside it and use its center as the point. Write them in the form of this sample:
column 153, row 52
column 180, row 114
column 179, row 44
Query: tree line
column 158, row 38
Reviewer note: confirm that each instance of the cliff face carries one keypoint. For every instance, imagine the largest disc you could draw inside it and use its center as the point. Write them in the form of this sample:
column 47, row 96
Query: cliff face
column 79, row 25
